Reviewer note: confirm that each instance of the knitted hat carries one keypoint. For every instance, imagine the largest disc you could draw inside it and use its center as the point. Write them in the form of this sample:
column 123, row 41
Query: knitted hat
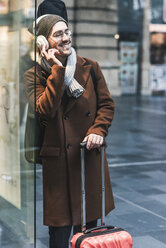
column 44, row 24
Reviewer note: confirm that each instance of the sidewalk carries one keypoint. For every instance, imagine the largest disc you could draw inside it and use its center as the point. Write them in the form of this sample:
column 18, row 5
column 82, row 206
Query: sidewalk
column 137, row 161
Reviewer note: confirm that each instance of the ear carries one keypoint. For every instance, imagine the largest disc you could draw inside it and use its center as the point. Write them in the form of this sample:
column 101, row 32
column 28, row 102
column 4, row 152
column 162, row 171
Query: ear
column 42, row 41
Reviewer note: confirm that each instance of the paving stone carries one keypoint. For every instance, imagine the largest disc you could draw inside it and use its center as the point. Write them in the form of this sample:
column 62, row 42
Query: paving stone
column 144, row 222
column 154, row 193
column 160, row 187
column 157, row 175
column 155, row 206
column 18, row 245
column 147, row 242
column 131, row 196
column 44, row 242
column 159, row 235
column 160, row 198
column 40, row 244
column 122, row 208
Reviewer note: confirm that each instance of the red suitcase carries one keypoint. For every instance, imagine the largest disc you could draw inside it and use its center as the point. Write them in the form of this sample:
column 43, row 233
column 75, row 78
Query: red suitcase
column 102, row 236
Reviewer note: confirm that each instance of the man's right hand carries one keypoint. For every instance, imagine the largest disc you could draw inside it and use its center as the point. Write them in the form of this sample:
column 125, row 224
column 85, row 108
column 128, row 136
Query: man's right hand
column 93, row 141
column 50, row 56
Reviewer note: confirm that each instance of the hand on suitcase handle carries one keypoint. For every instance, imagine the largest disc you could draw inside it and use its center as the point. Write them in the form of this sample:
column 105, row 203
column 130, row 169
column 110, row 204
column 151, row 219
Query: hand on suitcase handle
column 93, row 141
column 83, row 144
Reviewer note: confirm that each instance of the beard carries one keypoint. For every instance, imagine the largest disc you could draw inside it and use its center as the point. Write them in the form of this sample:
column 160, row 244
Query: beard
column 64, row 48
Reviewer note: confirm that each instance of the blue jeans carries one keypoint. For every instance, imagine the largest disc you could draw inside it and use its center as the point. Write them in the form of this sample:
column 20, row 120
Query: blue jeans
column 59, row 236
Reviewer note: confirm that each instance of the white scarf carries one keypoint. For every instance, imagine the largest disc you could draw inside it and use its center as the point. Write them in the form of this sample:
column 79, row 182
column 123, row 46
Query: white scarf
column 73, row 88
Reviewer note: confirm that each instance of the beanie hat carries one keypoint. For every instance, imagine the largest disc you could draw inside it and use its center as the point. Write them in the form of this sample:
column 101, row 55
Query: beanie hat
column 44, row 24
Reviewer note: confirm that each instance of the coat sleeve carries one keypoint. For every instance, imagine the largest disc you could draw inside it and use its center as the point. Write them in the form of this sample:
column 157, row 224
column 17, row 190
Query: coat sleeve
column 47, row 99
column 105, row 105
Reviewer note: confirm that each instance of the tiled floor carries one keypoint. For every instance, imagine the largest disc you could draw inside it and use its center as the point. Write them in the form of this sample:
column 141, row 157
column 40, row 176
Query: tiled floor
column 137, row 160
column 137, row 163
column 140, row 204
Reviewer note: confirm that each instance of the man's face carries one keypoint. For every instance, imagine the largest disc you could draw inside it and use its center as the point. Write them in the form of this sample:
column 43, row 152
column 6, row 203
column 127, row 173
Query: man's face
column 60, row 38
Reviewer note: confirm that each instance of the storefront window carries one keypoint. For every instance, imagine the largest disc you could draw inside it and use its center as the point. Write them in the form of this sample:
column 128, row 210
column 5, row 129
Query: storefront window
column 16, row 175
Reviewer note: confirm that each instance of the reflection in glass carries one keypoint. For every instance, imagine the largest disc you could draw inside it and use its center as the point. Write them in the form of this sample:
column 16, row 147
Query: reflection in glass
column 16, row 175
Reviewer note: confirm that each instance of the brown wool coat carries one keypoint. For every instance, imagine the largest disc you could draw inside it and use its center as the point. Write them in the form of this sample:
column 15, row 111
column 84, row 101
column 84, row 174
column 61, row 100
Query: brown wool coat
column 69, row 120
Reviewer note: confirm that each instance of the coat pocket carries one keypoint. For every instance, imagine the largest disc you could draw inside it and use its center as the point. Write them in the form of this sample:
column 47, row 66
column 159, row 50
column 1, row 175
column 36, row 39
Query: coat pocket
column 50, row 151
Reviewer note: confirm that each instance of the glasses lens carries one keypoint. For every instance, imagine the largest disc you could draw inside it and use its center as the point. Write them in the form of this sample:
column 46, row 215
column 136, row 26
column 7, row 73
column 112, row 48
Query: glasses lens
column 68, row 32
column 58, row 35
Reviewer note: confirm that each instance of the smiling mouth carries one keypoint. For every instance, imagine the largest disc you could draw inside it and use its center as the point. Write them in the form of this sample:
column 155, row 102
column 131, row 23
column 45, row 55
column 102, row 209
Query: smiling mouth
column 66, row 44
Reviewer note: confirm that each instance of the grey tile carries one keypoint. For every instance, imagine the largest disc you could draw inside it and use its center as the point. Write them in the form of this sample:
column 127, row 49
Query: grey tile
column 139, row 176
column 41, row 230
column 114, row 220
column 44, row 241
column 158, row 176
column 153, row 192
column 159, row 235
column 143, row 223
column 40, row 244
column 160, row 187
column 132, row 196
column 155, row 206
column 18, row 245
column 147, row 242
column 122, row 208
column 160, row 198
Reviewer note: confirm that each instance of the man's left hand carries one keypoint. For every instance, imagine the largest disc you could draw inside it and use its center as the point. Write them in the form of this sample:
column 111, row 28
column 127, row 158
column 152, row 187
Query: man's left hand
column 93, row 141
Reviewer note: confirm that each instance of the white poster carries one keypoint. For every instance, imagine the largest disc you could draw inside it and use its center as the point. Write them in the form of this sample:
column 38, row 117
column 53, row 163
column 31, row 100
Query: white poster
column 164, row 10
column 128, row 52
column 9, row 120
column 128, row 78
column 129, row 67
column 4, row 6
column 158, row 78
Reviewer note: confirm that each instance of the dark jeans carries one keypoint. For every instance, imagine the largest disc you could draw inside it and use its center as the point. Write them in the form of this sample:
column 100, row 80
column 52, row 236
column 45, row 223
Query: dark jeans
column 59, row 236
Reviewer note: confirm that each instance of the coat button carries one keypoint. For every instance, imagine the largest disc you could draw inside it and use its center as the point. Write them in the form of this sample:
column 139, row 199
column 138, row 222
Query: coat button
column 66, row 117
column 88, row 114
column 68, row 146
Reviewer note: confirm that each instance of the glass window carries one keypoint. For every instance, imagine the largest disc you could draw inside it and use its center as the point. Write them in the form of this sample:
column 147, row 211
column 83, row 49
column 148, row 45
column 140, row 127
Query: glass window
column 16, row 175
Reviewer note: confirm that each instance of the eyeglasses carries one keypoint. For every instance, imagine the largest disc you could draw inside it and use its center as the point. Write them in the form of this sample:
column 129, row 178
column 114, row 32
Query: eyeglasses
column 59, row 34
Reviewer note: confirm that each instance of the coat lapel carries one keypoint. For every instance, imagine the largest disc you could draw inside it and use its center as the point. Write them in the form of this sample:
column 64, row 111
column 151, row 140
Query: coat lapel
column 82, row 74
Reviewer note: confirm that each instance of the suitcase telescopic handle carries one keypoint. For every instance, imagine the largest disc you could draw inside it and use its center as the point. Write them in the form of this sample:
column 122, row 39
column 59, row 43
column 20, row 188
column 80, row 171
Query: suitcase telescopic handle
column 98, row 228
column 83, row 200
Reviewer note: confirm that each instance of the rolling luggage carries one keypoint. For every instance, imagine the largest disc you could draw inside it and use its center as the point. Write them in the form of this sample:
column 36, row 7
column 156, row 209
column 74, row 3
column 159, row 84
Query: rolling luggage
column 102, row 236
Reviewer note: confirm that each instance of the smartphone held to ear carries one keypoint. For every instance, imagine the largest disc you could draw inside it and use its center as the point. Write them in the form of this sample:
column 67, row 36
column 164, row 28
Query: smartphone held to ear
column 42, row 41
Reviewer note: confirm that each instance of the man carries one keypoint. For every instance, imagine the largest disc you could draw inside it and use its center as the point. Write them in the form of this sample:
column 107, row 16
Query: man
column 75, row 111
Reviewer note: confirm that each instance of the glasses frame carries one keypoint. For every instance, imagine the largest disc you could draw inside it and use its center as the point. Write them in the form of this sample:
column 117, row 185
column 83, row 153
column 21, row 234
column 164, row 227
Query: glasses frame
column 59, row 34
